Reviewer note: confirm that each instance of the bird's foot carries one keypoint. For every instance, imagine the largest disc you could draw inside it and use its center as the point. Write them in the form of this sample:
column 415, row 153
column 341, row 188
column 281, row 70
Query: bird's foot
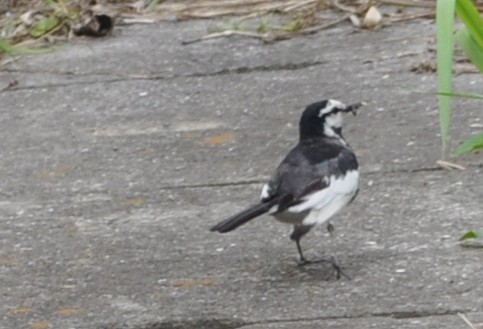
column 330, row 228
column 332, row 260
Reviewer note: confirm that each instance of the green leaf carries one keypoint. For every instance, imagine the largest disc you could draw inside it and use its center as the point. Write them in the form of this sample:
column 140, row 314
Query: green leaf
column 471, row 144
column 473, row 50
column 293, row 26
column 43, row 26
column 470, row 16
column 444, row 60
column 262, row 28
column 471, row 235
column 472, row 239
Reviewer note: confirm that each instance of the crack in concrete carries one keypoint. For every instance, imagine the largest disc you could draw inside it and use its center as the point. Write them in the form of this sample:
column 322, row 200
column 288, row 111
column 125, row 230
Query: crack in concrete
column 213, row 323
column 262, row 180
column 227, row 323
column 121, row 77
column 417, row 314
column 394, row 315
column 218, row 184
column 275, row 67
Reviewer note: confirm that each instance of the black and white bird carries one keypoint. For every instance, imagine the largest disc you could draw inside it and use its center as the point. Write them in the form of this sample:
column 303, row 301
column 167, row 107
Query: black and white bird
column 317, row 178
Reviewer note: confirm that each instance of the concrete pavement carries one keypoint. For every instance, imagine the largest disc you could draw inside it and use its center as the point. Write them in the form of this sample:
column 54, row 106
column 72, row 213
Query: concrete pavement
column 118, row 154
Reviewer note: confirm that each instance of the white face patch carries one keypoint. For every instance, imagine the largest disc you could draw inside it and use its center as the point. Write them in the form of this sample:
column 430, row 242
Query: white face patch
column 333, row 121
column 331, row 104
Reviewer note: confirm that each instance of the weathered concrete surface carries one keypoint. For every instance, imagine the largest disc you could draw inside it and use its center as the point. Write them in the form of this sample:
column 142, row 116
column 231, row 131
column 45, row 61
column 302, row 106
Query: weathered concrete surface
column 118, row 154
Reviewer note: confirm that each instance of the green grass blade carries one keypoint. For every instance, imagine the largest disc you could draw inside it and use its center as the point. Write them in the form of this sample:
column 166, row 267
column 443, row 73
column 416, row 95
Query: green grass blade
column 43, row 26
column 462, row 95
column 471, row 144
column 473, row 50
column 470, row 17
column 153, row 5
column 9, row 49
column 444, row 59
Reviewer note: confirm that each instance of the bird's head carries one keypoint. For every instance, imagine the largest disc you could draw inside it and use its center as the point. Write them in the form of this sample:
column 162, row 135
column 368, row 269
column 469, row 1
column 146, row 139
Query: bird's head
column 325, row 118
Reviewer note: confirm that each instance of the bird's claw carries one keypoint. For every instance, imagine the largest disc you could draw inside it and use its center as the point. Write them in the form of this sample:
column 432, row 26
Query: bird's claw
column 332, row 260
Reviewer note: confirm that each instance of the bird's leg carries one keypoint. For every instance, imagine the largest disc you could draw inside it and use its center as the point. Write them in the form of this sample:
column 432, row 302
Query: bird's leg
column 330, row 228
column 303, row 260
column 298, row 232
column 338, row 271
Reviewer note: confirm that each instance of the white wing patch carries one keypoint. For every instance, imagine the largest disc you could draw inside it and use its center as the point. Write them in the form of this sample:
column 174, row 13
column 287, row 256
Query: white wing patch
column 266, row 191
column 327, row 202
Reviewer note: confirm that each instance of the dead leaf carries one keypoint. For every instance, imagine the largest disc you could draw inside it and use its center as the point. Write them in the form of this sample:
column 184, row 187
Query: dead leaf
column 21, row 310
column 219, row 139
column 57, row 172
column 191, row 283
column 86, row 253
column 9, row 260
column 40, row 325
column 135, row 202
column 68, row 311
column 188, row 126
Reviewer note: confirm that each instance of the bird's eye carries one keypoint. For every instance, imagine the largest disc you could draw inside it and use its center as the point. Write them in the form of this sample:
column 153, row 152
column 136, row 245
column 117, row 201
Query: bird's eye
column 334, row 111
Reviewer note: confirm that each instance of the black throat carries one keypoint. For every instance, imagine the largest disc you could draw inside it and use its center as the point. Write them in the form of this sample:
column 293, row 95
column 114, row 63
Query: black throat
column 310, row 128
column 315, row 129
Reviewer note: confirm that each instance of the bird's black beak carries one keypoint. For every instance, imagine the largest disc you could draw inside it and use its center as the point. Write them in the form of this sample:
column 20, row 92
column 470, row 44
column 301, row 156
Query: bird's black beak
column 353, row 107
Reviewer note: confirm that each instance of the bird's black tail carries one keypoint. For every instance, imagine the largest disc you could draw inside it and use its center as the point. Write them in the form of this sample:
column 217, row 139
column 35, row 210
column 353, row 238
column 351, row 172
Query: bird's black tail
column 241, row 218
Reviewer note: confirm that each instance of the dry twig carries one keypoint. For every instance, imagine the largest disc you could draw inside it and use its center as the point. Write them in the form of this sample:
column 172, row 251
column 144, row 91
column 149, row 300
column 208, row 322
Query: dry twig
column 314, row 29
column 411, row 17
column 228, row 33
column 268, row 37
column 449, row 165
column 465, row 319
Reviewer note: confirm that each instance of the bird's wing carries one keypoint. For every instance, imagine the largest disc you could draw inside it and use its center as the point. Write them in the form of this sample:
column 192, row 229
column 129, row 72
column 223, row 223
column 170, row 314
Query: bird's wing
column 339, row 188
column 311, row 176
